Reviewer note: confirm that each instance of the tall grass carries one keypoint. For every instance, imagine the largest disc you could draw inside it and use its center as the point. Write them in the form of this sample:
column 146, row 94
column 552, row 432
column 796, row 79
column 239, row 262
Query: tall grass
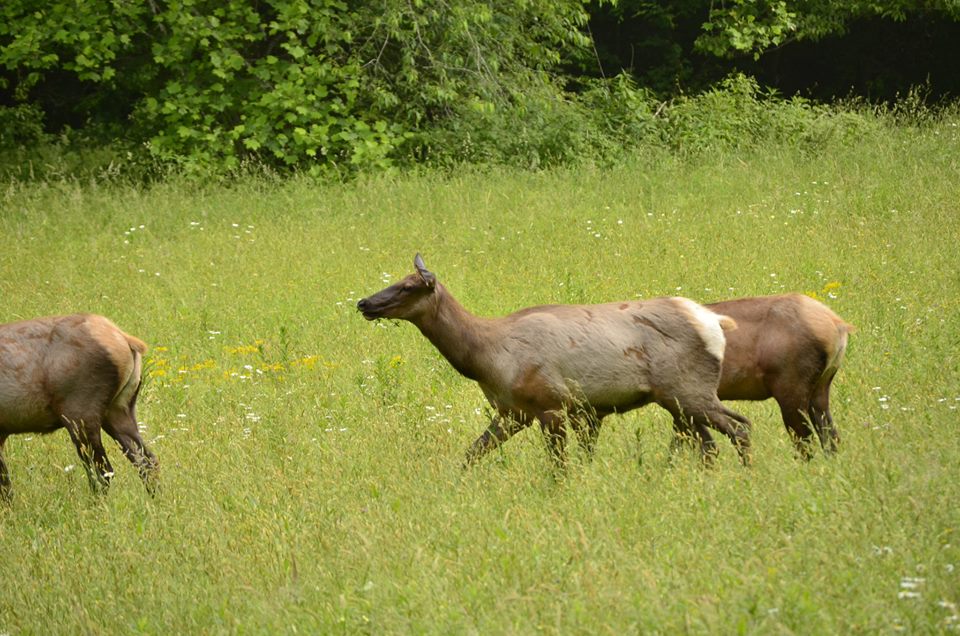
column 311, row 476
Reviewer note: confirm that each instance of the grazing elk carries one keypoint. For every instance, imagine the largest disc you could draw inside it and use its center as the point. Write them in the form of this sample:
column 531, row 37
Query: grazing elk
column 579, row 361
column 77, row 372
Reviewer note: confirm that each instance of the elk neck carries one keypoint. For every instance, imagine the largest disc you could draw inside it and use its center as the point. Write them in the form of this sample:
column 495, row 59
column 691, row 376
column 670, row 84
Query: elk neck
column 456, row 333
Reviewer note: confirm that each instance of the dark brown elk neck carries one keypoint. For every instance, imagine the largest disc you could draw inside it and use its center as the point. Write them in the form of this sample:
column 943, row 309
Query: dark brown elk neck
column 460, row 336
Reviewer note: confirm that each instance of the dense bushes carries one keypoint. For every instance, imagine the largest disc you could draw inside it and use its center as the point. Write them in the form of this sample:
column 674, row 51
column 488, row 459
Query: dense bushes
column 337, row 86
column 312, row 84
column 739, row 114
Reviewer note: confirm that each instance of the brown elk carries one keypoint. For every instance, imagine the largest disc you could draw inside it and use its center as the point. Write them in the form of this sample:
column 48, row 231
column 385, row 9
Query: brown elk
column 788, row 347
column 582, row 362
column 78, row 372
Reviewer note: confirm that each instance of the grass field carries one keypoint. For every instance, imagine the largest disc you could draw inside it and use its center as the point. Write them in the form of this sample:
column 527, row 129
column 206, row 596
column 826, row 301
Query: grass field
column 310, row 460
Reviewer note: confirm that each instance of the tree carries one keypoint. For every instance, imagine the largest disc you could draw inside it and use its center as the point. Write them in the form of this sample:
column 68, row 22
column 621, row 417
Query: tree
column 753, row 26
column 316, row 84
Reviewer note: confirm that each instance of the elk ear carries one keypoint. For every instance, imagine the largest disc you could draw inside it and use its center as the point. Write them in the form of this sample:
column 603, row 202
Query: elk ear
column 424, row 273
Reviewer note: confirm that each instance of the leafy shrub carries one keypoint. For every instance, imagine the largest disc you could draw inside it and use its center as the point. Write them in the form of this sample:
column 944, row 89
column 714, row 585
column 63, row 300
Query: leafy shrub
column 20, row 124
column 625, row 116
column 311, row 84
column 536, row 130
column 602, row 122
column 738, row 114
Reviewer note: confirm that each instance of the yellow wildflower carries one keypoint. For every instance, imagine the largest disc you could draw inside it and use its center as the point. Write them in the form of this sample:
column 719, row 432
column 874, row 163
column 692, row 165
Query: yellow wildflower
column 206, row 364
column 243, row 349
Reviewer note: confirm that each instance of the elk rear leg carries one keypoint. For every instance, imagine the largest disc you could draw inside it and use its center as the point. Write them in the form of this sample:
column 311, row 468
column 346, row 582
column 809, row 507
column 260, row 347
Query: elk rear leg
column 6, row 488
column 797, row 425
column 86, row 438
column 500, row 430
column 819, row 413
column 122, row 426
column 730, row 423
column 686, row 432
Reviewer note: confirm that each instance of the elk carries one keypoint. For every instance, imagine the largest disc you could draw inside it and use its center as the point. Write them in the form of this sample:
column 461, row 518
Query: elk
column 788, row 347
column 79, row 372
column 579, row 362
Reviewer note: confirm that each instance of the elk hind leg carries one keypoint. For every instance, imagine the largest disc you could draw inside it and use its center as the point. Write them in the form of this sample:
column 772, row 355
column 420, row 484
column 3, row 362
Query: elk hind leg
column 821, row 418
column 121, row 425
column 586, row 424
column 687, row 431
column 6, row 488
column 85, row 434
column 798, row 427
column 730, row 423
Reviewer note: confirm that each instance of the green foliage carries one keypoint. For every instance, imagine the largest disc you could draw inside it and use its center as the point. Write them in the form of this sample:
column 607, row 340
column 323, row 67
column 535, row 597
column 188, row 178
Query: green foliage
column 747, row 26
column 273, row 82
column 339, row 87
column 610, row 120
column 311, row 84
column 426, row 60
column 819, row 18
column 20, row 124
column 739, row 114
column 537, row 130
column 86, row 39
column 477, row 82
column 753, row 26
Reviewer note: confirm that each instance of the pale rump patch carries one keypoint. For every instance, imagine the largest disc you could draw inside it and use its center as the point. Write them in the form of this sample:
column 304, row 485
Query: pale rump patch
column 833, row 364
column 124, row 351
column 129, row 388
column 708, row 324
column 828, row 328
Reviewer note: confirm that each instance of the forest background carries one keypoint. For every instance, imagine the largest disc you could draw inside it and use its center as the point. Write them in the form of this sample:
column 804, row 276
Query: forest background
column 334, row 87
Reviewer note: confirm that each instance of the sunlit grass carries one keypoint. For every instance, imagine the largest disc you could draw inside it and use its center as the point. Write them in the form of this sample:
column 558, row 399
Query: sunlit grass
column 310, row 460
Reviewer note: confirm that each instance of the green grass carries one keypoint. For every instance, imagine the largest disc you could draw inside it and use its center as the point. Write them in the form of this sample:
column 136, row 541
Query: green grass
column 311, row 476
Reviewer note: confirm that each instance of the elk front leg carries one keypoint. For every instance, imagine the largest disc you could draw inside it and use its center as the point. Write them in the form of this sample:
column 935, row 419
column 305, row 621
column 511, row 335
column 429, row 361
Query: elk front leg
column 586, row 424
column 555, row 435
column 500, row 430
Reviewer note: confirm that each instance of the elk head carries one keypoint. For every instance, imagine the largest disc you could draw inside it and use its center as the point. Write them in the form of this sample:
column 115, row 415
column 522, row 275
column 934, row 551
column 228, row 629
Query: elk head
column 406, row 299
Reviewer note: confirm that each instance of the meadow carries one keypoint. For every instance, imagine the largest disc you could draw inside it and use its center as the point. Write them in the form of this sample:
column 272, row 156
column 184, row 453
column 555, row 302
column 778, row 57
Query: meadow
column 311, row 474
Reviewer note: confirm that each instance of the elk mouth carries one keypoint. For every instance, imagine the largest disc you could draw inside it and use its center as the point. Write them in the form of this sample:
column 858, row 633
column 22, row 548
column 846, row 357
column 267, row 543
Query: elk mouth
column 366, row 308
